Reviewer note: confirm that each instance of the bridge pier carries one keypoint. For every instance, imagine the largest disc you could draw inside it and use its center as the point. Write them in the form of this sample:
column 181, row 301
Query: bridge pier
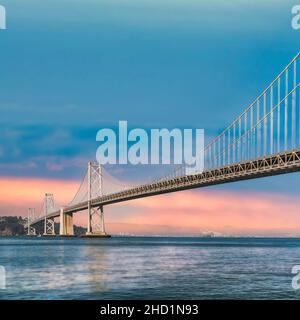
column 49, row 225
column 66, row 227
column 96, row 226
column 49, row 229
column 31, row 231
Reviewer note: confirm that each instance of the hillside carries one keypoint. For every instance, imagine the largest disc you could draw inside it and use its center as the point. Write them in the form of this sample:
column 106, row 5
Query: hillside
column 16, row 226
column 12, row 226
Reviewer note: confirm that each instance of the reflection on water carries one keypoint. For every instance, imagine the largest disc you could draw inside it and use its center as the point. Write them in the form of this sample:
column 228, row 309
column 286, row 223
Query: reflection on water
column 145, row 268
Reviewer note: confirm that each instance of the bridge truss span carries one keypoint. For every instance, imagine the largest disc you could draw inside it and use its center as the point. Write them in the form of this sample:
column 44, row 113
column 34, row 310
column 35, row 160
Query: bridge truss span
column 261, row 167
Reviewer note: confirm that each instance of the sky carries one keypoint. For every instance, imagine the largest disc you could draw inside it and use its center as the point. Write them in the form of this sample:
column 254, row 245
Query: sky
column 72, row 67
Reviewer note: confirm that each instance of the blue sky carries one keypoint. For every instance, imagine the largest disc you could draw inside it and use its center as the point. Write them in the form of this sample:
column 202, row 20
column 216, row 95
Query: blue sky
column 70, row 68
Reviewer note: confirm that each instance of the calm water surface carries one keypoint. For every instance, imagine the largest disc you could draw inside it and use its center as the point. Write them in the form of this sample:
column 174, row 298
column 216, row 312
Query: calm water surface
column 149, row 268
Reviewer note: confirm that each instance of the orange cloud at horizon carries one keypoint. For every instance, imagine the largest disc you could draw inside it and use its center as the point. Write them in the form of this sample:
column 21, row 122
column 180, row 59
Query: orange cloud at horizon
column 233, row 212
column 186, row 212
column 18, row 194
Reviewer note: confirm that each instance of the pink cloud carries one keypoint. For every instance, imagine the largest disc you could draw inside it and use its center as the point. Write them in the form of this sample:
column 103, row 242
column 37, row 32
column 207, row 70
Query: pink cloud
column 226, row 212
column 17, row 194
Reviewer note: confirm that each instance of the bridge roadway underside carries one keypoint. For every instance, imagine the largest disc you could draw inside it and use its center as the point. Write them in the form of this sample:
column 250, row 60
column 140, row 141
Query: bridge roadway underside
column 276, row 164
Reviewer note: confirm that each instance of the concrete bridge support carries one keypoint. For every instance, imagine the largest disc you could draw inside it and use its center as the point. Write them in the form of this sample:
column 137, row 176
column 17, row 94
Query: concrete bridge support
column 66, row 227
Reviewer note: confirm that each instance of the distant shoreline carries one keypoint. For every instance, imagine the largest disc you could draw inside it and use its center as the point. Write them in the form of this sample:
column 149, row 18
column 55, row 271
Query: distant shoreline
column 15, row 226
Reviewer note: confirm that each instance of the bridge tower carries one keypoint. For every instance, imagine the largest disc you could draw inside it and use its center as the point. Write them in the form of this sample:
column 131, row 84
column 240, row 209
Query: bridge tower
column 96, row 226
column 48, row 222
column 31, row 216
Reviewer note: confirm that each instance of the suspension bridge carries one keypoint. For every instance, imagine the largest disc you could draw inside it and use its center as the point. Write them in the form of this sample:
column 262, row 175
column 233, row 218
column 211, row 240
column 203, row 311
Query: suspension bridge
column 262, row 141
